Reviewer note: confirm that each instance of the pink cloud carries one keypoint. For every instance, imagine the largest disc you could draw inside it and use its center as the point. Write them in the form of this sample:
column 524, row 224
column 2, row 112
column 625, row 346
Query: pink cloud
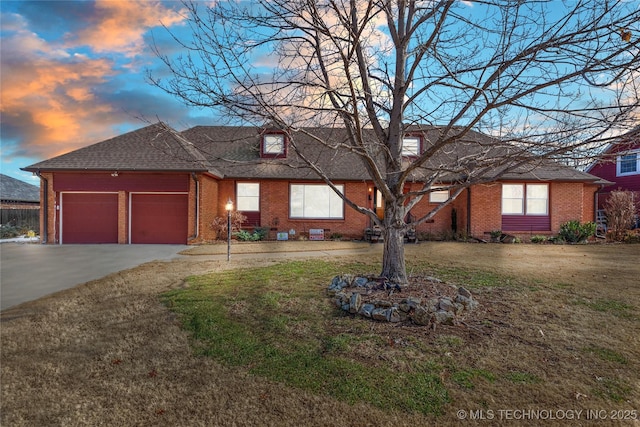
column 53, row 99
column 121, row 24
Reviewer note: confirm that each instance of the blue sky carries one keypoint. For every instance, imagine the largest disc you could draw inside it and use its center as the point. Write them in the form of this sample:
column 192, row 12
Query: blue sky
column 73, row 73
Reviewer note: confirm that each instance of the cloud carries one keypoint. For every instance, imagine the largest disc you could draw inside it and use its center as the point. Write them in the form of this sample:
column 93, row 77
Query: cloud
column 68, row 73
column 120, row 25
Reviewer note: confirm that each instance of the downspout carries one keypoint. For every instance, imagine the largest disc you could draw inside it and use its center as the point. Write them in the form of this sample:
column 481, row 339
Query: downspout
column 197, row 218
column 44, row 228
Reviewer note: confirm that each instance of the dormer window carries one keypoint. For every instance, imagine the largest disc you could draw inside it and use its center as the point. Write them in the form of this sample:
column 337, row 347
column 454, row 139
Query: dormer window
column 273, row 145
column 411, row 146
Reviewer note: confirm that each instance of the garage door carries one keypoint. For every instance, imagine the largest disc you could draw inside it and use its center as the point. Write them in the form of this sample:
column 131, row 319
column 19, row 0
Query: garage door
column 89, row 218
column 159, row 218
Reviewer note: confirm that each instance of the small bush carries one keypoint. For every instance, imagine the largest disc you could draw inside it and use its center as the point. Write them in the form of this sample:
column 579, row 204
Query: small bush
column 538, row 239
column 620, row 210
column 219, row 224
column 632, row 236
column 574, row 232
column 245, row 236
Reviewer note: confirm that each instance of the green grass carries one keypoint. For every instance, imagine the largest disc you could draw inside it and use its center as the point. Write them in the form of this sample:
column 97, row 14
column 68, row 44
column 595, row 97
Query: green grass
column 466, row 378
column 613, row 389
column 522, row 377
column 607, row 354
column 610, row 306
column 276, row 322
column 464, row 276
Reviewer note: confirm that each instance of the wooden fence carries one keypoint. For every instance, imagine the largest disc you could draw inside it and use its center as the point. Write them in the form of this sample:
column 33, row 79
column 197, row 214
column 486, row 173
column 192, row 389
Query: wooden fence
column 21, row 218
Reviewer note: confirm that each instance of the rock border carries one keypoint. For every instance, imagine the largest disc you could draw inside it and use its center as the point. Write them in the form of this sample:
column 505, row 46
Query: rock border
column 349, row 291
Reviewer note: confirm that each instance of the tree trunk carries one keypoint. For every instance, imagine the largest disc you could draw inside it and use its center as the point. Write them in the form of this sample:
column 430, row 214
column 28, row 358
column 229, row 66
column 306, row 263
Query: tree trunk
column 393, row 264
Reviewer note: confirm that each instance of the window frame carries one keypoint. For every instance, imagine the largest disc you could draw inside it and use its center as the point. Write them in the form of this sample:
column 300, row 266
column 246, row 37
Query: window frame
column 620, row 160
column 444, row 196
column 524, row 200
column 264, row 152
column 418, row 146
column 239, row 198
column 332, row 195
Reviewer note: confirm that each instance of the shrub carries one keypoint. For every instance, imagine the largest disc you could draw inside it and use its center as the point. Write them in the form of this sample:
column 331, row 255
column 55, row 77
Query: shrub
column 219, row 224
column 574, row 232
column 259, row 233
column 632, row 236
column 538, row 239
column 620, row 210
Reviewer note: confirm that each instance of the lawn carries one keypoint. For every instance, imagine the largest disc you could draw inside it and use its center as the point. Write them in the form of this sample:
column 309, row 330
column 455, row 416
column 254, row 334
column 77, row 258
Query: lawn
column 557, row 335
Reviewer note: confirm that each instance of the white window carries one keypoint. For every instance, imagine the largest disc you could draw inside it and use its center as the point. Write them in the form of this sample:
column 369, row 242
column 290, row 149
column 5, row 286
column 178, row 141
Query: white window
column 248, row 196
column 315, row 201
column 628, row 164
column 537, row 199
column 521, row 199
column 273, row 143
column 411, row 146
column 438, row 196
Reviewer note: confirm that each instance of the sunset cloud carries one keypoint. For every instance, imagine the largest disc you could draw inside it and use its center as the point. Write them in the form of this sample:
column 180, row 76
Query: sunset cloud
column 72, row 73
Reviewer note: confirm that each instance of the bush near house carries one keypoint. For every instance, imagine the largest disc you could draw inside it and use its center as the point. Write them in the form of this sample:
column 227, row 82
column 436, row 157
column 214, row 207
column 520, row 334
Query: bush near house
column 621, row 211
column 575, row 232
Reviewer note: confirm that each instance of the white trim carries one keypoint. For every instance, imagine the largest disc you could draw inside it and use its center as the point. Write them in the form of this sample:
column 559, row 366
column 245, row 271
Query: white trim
column 619, row 161
column 130, row 206
column 62, row 210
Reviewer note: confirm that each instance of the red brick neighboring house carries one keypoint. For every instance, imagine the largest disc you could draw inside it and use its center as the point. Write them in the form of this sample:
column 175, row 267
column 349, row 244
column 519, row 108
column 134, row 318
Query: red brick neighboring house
column 156, row 185
column 620, row 165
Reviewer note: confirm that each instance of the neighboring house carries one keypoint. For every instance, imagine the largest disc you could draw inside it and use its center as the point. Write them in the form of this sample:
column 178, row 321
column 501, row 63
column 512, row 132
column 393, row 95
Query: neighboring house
column 620, row 165
column 16, row 194
column 157, row 185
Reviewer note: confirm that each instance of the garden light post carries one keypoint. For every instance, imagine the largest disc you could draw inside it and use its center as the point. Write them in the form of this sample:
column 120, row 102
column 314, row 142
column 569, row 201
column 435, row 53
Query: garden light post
column 229, row 208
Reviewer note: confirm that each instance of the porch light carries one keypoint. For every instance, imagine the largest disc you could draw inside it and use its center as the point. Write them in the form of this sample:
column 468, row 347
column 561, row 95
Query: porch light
column 229, row 207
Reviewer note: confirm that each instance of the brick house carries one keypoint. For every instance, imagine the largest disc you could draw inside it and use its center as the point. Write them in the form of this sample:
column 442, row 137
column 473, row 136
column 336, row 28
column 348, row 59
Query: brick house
column 157, row 185
column 620, row 165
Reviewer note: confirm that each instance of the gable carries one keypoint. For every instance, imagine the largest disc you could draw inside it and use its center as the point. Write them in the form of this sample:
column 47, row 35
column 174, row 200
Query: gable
column 153, row 148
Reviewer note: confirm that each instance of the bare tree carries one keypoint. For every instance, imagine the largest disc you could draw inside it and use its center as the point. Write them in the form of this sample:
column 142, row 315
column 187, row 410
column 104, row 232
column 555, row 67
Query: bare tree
column 549, row 79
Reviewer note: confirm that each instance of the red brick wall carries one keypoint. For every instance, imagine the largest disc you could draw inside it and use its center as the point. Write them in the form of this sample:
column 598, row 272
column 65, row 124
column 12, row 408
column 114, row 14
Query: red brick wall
column 123, row 217
column 274, row 209
column 50, row 215
column 566, row 203
column 486, row 209
column 209, row 208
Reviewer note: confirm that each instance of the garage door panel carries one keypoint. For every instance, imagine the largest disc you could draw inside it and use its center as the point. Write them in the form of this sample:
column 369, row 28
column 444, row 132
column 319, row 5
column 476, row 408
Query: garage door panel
column 89, row 218
column 159, row 218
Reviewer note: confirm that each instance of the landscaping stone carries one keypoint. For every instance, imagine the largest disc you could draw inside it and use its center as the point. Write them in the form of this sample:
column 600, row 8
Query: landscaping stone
column 366, row 310
column 421, row 316
column 355, row 302
column 364, row 300
column 444, row 317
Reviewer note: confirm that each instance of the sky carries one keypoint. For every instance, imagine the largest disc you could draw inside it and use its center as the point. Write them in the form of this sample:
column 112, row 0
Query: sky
column 73, row 74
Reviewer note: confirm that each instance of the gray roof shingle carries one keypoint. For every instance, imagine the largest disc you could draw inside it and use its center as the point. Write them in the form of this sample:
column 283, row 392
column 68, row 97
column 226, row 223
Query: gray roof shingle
column 14, row 190
column 153, row 148
column 234, row 152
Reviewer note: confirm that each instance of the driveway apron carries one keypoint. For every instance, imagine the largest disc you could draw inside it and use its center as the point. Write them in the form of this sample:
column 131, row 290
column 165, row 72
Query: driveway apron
column 30, row 271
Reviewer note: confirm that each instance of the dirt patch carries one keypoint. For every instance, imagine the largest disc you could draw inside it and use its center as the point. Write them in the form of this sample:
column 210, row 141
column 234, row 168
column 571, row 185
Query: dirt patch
column 108, row 353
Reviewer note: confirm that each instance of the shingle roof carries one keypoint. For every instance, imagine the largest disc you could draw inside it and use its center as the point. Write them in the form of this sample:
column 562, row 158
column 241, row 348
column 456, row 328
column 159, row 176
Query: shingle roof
column 18, row 191
column 234, row 152
column 154, row 148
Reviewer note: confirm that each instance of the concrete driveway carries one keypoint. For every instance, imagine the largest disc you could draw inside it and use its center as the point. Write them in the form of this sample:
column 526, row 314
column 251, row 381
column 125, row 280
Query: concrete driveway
column 29, row 271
